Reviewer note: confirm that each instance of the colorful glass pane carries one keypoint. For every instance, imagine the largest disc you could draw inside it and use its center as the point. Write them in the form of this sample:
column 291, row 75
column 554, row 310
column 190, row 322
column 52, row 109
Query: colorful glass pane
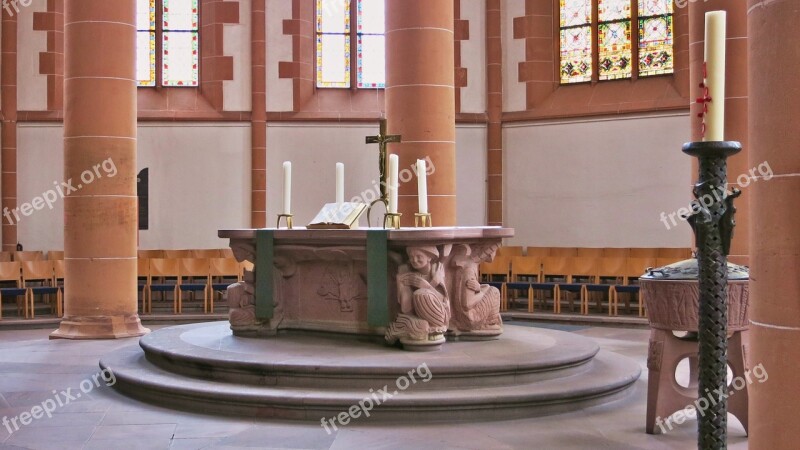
column 180, row 59
column 180, row 15
column 333, row 16
column 146, row 15
column 371, row 61
column 655, row 46
column 372, row 16
column 575, row 12
column 333, row 61
column 146, row 43
column 576, row 54
column 654, row 7
column 608, row 10
column 614, row 50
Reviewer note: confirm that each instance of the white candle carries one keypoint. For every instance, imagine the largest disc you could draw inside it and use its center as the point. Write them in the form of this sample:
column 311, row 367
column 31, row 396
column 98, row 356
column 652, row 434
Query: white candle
column 287, row 187
column 339, row 183
column 394, row 165
column 715, row 75
column 422, row 186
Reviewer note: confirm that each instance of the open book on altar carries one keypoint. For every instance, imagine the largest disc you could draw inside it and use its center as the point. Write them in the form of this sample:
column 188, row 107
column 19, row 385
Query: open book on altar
column 334, row 216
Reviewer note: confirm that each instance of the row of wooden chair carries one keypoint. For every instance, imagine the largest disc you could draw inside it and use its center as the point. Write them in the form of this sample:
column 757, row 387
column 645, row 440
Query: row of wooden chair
column 608, row 252
column 178, row 275
column 570, row 275
column 28, row 278
column 31, row 256
column 173, row 254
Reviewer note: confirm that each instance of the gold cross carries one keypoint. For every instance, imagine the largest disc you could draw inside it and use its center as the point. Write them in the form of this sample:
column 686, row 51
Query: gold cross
column 382, row 139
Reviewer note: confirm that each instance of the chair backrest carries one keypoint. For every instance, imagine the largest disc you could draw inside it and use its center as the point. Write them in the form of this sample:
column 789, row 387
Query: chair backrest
column 676, row 254
column 205, row 253
column 55, row 255
column 590, row 252
column 225, row 267
column 541, row 252
column 6, row 256
column 525, row 266
column 636, row 267
column 143, row 267
column 164, row 267
column 556, row 266
column 177, row 254
column 194, row 267
column 642, row 252
column 564, row 251
column 58, row 267
column 146, row 254
column 226, row 253
column 616, row 252
column 37, row 270
column 10, row 271
column 500, row 266
column 612, row 267
column 510, row 251
column 29, row 256
column 584, row 267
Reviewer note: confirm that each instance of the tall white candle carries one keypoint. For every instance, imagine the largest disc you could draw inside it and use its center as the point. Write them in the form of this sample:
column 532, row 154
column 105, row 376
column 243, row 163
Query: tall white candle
column 287, row 187
column 422, row 186
column 715, row 75
column 339, row 183
column 394, row 165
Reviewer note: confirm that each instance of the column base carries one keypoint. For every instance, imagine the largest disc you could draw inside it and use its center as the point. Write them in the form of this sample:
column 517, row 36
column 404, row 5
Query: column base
column 100, row 327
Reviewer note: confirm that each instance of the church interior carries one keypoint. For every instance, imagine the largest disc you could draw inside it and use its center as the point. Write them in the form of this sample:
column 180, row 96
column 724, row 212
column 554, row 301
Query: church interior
column 547, row 223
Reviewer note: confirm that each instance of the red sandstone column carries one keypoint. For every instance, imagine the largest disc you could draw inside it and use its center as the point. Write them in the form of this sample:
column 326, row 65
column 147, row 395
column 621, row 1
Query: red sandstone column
column 258, row 202
column 735, row 100
column 420, row 101
column 774, row 61
column 100, row 134
column 8, row 84
column 494, row 75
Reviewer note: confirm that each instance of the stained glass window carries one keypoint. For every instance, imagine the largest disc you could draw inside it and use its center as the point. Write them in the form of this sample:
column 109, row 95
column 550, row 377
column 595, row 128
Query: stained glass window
column 174, row 44
column 614, row 39
column 576, row 41
column 336, row 39
column 655, row 37
column 146, row 42
column 615, row 52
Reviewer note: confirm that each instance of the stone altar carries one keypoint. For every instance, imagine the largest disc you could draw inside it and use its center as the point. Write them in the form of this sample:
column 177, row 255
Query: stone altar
column 413, row 286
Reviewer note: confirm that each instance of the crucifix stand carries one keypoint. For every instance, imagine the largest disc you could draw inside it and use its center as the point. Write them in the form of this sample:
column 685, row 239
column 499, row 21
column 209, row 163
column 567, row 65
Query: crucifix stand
column 382, row 139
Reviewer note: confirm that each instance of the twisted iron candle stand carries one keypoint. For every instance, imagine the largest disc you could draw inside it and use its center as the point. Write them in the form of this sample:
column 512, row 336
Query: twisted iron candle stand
column 713, row 228
column 288, row 218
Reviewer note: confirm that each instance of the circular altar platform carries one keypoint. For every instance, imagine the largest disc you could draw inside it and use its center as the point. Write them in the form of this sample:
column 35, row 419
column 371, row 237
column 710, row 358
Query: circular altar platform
column 526, row 372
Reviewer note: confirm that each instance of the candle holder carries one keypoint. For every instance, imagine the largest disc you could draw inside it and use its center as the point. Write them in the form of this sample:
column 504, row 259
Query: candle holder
column 384, row 200
column 423, row 220
column 288, row 218
column 713, row 228
column 393, row 219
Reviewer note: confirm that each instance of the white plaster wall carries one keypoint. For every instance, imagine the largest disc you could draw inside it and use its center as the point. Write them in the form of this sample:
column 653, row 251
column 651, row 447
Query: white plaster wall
column 473, row 57
column 280, row 91
column 597, row 182
column 31, row 86
column 315, row 148
column 199, row 182
column 514, row 92
column 237, row 38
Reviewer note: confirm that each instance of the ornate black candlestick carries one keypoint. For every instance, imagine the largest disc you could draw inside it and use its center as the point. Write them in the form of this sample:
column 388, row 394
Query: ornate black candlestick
column 713, row 222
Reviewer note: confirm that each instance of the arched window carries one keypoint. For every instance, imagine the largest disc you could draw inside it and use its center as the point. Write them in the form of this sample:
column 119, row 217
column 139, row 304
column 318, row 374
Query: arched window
column 337, row 40
column 167, row 38
column 612, row 55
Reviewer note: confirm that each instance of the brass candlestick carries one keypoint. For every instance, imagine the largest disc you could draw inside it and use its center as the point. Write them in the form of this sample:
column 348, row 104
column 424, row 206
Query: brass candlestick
column 423, row 220
column 288, row 218
column 393, row 219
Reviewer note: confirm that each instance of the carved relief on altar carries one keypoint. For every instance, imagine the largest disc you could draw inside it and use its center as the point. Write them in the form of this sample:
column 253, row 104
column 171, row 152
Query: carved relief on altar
column 241, row 295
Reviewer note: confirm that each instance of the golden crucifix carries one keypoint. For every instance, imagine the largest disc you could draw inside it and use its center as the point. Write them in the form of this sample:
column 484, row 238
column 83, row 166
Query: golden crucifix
column 382, row 139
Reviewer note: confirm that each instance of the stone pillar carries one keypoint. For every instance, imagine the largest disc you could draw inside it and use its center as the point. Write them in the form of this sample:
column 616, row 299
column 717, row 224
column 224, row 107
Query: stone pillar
column 774, row 61
column 735, row 100
column 494, row 95
column 258, row 46
column 420, row 101
column 100, row 134
column 8, row 135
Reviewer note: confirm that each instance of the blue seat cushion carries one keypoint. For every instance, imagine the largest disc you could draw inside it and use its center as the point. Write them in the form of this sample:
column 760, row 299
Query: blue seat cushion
column 12, row 291
column 570, row 287
column 627, row 288
column 518, row 285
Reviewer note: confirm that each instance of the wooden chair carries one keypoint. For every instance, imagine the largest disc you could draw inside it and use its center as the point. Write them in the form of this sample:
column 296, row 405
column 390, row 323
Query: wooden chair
column 60, row 276
column 6, row 256
column 151, row 254
column 205, row 253
column 224, row 272
column 10, row 273
column 590, row 252
column 225, row 253
column 642, row 252
column 539, row 252
column 565, row 252
column 676, row 254
column 38, row 278
column 525, row 270
column 177, row 254
column 616, row 252
column 55, row 255
column 510, row 251
column 555, row 270
column 496, row 273
column 610, row 272
column 634, row 268
column 167, row 275
column 29, row 256
column 195, row 276
column 583, row 270
column 143, row 278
